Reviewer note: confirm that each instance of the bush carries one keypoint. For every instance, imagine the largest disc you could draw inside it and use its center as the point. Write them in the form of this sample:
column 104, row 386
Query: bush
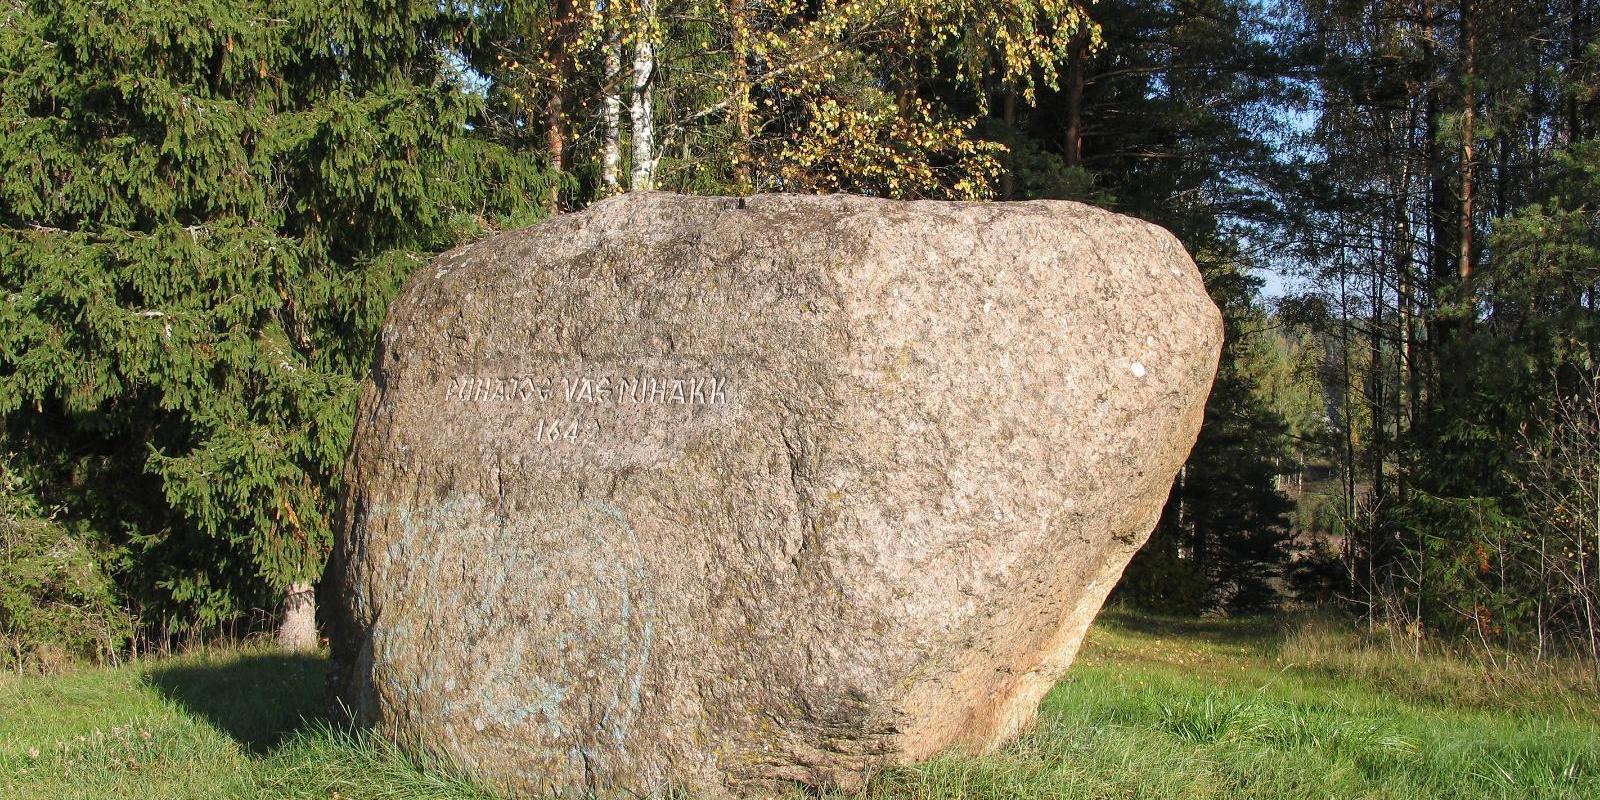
column 57, row 601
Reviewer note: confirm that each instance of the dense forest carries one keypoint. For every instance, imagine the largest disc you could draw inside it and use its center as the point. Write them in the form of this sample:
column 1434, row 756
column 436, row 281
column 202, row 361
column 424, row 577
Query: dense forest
column 205, row 208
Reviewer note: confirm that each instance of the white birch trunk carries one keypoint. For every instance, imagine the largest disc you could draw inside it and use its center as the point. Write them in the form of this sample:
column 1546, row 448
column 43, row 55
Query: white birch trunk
column 611, row 160
column 643, row 110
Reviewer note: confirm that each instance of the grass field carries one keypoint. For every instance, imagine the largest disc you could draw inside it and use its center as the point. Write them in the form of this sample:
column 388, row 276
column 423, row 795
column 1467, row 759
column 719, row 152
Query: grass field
column 1155, row 708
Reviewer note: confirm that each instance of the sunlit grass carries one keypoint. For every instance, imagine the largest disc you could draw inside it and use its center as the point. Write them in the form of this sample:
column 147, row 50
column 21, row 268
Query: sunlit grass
column 1155, row 708
column 240, row 723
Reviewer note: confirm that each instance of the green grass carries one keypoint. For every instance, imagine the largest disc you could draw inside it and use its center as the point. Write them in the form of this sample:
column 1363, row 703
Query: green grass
column 1160, row 708
column 1155, row 708
column 240, row 723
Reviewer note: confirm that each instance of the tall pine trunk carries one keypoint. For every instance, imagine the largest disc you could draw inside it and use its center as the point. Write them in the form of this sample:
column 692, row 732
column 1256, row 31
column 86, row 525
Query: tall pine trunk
column 1578, row 40
column 1440, row 264
column 1073, row 144
column 555, row 117
column 1376, row 377
column 1469, row 59
column 1405, row 401
column 555, row 145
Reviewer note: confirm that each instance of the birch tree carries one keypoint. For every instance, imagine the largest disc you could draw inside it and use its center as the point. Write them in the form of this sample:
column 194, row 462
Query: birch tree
column 643, row 110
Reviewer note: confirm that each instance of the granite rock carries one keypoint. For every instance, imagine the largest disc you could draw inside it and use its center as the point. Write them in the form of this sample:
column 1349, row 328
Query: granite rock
column 719, row 495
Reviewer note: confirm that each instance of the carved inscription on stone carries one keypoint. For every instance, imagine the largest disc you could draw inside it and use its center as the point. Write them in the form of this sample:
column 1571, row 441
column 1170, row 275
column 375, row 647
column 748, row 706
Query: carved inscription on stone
column 595, row 413
column 620, row 389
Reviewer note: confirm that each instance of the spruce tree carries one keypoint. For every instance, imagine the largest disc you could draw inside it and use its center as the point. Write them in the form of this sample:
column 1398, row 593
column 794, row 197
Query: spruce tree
column 204, row 209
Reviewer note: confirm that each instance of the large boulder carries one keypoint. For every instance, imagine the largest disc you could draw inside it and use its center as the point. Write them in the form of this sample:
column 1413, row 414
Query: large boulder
column 718, row 495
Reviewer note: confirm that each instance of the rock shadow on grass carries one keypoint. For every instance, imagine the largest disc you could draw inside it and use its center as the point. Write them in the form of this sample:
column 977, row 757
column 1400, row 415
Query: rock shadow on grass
column 259, row 699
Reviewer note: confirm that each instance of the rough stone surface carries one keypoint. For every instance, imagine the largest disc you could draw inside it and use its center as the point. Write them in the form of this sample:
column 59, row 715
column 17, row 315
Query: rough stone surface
column 718, row 495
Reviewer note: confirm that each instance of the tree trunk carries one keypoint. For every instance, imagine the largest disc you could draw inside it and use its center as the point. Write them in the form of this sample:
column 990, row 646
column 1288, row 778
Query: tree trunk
column 1008, row 112
column 643, row 110
column 1440, row 264
column 1347, row 412
column 1405, row 401
column 555, row 143
column 1375, row 373
column 1200, row 544
column 1438, row 219
column 555, row 119
column 1073, row 145
column 611, row 112
column 1575, row 60
column 1469, row 44
column 297, row 628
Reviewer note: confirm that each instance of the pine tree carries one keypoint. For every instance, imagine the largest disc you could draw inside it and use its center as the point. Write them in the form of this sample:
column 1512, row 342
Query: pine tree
column 204, row 209
column 1446, row 216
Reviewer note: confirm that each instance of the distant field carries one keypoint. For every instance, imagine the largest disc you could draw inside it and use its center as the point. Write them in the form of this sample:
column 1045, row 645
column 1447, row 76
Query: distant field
column 1155, row 708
